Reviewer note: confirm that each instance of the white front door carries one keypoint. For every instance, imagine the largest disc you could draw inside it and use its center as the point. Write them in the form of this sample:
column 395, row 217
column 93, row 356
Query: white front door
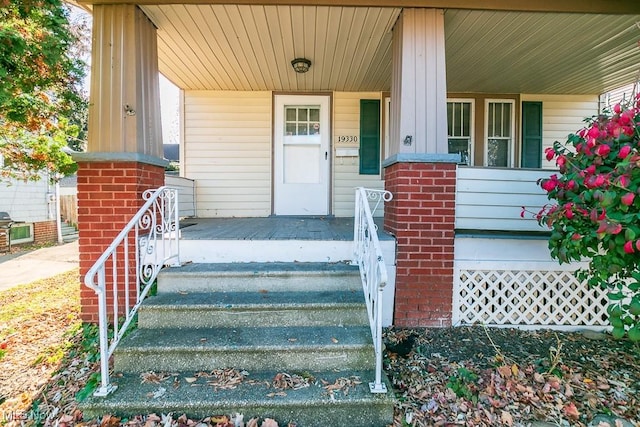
column 301, row 155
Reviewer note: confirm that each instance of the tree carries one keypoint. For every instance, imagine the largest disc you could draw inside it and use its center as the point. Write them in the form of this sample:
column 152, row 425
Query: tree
column 595, row 214
column 40, row 94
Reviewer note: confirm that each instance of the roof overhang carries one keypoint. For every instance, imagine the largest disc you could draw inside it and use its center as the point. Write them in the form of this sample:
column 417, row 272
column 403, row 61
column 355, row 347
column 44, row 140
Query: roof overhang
column 559, row 6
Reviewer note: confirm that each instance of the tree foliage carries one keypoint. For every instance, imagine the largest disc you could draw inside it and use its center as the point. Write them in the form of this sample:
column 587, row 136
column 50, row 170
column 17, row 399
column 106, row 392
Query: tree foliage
column 40, row 94
column 596, row 211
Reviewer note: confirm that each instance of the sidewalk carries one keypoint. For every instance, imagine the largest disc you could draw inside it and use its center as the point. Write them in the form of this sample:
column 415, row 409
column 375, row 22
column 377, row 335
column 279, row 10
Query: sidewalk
column 39, row 264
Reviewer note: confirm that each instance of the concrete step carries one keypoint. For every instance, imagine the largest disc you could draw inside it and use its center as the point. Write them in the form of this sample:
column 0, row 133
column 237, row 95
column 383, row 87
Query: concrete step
column 256, row 348
column 255, row 396
column 245, row 309
column 272, row 277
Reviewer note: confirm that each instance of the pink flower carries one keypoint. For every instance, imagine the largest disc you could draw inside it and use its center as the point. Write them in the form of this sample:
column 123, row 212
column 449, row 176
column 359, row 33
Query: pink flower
column 571, row 185
column 603, row 150
column 576, row 236
column 549, row 185
column 617, row 109
column 549, row 153
column 628, row 247
column 624, row 151
column 593, row 132
column 614, row 229
column 623, row 181
column 591, row 169
column 599, row 181
column 568, row 212
column 561, row 161
column 627, row 199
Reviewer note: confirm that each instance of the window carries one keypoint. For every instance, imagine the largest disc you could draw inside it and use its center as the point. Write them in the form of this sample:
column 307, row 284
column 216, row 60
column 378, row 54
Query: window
column 301, row 120
column 369, row 136
column 499, row 125
column 460, row 128
column 22, row 233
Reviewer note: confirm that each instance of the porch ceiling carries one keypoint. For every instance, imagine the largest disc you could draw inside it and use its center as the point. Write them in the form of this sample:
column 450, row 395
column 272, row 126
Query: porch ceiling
column 250, row 47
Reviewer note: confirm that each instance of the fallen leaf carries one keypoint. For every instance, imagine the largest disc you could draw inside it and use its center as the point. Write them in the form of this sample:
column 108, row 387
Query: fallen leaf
column 268, row 422
column 109, row 421
column 334, row 340
column 293, row 339
column 571, row 411
column 504, row 371
column 253, row 422
column 191, row 380
column 506, row 418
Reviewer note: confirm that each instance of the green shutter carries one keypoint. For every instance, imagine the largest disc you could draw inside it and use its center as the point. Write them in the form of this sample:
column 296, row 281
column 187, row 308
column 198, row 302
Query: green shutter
column 369, row 136
column 531, row 134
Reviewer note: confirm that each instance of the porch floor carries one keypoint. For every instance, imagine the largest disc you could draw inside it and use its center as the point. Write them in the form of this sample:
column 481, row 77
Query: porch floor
column 273, row 228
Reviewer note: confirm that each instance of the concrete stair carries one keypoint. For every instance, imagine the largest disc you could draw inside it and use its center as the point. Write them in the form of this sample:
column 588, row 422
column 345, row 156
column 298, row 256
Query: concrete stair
column 261, row 319
column 69, row 233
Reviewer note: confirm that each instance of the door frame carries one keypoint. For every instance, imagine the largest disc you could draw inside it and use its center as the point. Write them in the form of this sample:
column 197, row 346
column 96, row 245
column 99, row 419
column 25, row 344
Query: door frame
column 329, row 95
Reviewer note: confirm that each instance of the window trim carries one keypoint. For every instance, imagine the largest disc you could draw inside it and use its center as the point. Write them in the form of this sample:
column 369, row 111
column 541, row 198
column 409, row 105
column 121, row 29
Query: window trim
column 29, row 239
column 472, row 126
column 512, row 144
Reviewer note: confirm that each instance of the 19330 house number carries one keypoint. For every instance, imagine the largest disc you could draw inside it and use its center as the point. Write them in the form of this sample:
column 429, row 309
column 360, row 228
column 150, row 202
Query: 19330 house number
column 347, row 138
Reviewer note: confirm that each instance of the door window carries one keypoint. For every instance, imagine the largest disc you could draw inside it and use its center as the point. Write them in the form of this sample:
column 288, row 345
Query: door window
column 302, row 121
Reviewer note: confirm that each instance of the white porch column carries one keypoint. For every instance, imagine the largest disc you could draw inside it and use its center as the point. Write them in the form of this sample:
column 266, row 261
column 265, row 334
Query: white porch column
column 418, row 84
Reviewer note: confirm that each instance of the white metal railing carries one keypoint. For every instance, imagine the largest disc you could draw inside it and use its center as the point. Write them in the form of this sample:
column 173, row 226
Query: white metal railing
column 367, row 254
column 130, row 266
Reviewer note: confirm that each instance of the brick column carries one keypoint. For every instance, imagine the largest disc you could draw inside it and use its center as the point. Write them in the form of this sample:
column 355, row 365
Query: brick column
column 422, row 217
column 109, row 194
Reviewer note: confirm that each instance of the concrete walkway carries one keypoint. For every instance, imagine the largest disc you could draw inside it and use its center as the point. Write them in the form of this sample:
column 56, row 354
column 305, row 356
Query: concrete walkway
column 23, row 268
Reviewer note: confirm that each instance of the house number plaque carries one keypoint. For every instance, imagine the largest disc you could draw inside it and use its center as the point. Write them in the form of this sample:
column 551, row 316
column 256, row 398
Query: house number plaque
column 345, row 139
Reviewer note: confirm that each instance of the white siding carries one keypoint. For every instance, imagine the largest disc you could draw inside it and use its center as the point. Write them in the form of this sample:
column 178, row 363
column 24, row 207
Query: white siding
column 186, row 194
column 492, row 199
column 346, row 107
column 562, row 115
column 227, row 151
column 25, row 201
column 621, row 95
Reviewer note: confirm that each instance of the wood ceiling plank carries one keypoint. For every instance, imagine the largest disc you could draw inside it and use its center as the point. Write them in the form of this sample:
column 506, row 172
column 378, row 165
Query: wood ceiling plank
column 262, row 38
column 170, row 39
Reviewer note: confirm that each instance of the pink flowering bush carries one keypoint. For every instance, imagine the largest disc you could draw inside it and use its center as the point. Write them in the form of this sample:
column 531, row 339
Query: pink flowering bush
column 596, row 211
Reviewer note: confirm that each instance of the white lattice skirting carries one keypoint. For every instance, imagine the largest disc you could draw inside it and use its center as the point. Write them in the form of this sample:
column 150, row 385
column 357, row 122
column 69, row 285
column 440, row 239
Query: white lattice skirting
column 503, row 293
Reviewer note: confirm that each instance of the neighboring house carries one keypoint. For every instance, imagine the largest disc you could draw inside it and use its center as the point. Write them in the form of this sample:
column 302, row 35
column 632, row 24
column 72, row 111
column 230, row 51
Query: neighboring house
column 445, row 104
column 31, row 205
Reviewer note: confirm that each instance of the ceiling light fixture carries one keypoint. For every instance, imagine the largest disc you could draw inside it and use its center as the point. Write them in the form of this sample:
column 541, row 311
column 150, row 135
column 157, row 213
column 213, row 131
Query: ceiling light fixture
column 301, row 65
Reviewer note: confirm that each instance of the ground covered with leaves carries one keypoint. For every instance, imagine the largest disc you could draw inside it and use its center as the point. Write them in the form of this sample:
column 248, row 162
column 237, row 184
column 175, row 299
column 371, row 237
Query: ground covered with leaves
column 475, row 376
column 441, row 377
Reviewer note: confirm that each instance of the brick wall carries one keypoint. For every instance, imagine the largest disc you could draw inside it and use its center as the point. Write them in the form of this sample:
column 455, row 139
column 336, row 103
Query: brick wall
column 109, row 194
column 422, row 217
column 45, row 232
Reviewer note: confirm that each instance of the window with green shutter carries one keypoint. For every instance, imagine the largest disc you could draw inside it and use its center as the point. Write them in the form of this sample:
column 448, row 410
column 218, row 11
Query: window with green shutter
column 532, row 134
column 369, row 136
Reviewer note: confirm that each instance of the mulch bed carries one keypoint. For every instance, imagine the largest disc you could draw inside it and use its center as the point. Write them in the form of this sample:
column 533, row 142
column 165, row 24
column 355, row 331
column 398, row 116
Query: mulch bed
column 475, row 376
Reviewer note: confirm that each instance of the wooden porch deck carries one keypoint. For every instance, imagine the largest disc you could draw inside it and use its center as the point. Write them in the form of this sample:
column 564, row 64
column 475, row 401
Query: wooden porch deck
column 273, row 228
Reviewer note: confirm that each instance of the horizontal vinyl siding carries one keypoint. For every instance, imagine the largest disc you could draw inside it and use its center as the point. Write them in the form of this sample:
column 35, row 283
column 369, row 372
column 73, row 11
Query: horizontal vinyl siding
column 346, row 116
column 227, row 145
column 25, row 201
column 561, row 116
column 492, row 199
